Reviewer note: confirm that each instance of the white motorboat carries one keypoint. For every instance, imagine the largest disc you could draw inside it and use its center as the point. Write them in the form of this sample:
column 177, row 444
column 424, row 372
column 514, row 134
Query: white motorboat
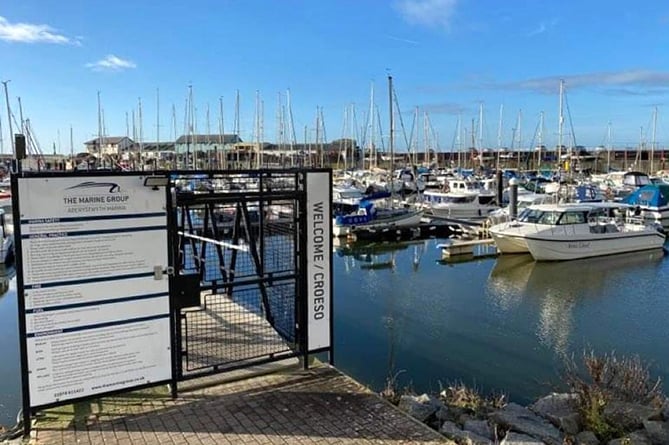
column 511, row 237
column 461, row 200
column 569, row 232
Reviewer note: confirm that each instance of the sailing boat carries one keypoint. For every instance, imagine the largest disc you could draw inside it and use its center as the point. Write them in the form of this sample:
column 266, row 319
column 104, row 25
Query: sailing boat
column 370, row 217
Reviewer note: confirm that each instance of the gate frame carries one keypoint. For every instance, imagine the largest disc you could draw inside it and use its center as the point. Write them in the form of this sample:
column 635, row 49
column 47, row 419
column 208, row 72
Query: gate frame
column 299, row 196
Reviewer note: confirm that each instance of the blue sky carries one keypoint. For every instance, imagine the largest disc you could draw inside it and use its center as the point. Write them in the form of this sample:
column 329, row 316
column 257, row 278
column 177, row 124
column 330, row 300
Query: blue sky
column 447, row 57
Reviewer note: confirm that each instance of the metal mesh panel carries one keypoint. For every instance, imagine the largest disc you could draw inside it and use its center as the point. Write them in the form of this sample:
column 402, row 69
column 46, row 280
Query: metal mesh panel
column 231, row 329
column 239, row 233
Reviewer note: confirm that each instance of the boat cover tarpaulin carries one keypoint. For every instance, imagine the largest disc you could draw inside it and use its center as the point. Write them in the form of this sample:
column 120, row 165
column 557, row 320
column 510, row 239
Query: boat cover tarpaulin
column 650, row 196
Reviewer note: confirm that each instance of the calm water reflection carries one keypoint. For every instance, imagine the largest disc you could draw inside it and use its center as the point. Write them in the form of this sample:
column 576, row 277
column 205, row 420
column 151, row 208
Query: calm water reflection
column 10, row 366
column 503, row 323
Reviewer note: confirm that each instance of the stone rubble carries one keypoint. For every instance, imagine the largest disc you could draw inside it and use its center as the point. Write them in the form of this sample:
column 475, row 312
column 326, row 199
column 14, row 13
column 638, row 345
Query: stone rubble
column 551, row 420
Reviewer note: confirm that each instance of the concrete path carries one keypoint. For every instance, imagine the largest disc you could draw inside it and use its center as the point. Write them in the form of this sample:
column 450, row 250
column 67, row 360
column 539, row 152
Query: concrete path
column 293, row 406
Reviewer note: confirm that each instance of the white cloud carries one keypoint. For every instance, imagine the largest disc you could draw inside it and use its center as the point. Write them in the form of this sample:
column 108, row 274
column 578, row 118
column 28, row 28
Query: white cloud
column 543, row 27
column 111, row 63
column 631, row 82
column 539, row 30
column 431, row 13
column 31, row 33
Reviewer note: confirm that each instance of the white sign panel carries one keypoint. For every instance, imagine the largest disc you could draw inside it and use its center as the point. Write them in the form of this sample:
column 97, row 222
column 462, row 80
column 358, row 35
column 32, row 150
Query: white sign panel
column 93, row 252
column 319, row 255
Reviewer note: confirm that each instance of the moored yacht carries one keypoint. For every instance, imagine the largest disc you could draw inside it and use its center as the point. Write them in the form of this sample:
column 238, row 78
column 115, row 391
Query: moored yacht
column 578, row 219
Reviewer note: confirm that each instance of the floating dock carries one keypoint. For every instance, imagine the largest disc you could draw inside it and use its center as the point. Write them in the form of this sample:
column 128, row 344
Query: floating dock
column 423, row 230
column 468, row 249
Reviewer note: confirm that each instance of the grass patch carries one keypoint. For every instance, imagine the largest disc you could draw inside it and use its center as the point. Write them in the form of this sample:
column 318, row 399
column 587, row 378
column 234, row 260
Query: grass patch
column 601, row 379
column 391, row 392
column 470, row 399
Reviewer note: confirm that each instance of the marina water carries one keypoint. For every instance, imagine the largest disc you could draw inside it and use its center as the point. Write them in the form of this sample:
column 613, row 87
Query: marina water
column 501, row 324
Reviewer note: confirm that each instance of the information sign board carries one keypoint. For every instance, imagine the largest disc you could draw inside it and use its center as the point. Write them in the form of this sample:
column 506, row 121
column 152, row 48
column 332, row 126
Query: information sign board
column 95, row 297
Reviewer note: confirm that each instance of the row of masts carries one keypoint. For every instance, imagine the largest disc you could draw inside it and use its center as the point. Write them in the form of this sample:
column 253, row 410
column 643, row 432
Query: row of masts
column 286, row 132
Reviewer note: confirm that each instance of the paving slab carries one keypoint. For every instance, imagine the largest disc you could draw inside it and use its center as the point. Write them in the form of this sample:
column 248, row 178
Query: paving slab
column 292, row 406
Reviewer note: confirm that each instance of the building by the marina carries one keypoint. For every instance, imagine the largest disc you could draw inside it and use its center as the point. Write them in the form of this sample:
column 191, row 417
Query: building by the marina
column 109, row 146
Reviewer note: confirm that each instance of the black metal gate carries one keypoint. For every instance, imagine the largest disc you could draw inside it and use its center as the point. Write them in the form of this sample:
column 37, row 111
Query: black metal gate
column 236, row 282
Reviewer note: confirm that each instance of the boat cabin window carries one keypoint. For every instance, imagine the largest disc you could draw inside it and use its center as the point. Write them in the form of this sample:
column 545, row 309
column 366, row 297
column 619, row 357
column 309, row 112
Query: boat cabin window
column 549, row 218
column 458, row 199
column 530, row 215
column 573, row 218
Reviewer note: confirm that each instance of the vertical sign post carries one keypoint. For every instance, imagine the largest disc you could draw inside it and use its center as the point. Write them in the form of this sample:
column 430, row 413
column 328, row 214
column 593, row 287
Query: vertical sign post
column 319, row 259
column 94, row 310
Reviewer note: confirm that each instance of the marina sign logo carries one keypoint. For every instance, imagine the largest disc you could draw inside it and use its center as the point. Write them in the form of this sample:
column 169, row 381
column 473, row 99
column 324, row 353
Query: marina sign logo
column 113, row 187
column 94, row 196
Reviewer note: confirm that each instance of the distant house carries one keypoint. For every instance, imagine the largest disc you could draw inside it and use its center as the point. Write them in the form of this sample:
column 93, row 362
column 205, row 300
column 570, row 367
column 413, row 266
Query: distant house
column 193, row 143
column 112, row 145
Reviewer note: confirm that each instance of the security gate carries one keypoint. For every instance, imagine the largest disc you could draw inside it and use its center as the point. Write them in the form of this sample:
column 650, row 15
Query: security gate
column 156, row 277
column 240, row 254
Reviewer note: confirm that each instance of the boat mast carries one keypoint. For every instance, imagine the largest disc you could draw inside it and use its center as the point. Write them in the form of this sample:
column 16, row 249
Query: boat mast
column 520, row 137
column 480, row 147
column 324, row 136
column 608, row 148
column 560, row 127
column 257, row 130
column 426, row 139
column 372, row 116
column 9, row 118
column 541, row 139
column 319, row 155
column 71, row 146
column 499, row 134
column 2, row 141
column 174, row 136
column 291, row 128
column 414, row 138
column 458, row 140
column 652, row 146
column 141, row 135
column 221, row 134
column 157, row 124
column 391, row 140
column 208, row 135
column 99, row 126
column 237, row 129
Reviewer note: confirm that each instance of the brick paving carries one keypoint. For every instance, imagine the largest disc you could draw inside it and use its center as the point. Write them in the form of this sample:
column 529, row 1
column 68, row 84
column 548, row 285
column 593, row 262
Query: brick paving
column 316, row 406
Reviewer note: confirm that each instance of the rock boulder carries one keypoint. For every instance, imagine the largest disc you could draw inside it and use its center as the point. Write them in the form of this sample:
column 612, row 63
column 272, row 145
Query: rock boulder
column 560, row 410
column 520, row 419
column 629, row 416
column 453, row 431
column 519, row 439
column 420, row 407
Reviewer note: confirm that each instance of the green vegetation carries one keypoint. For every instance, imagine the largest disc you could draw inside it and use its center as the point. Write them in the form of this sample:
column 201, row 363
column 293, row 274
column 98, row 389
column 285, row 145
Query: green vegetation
column 603, row 379
column 471, row 400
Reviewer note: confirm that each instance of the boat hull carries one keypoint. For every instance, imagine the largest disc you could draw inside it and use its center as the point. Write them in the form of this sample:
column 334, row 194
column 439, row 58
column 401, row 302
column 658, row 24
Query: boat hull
column 563, row 248
column 508, row 243
column 403, row 220
column 469, row 212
